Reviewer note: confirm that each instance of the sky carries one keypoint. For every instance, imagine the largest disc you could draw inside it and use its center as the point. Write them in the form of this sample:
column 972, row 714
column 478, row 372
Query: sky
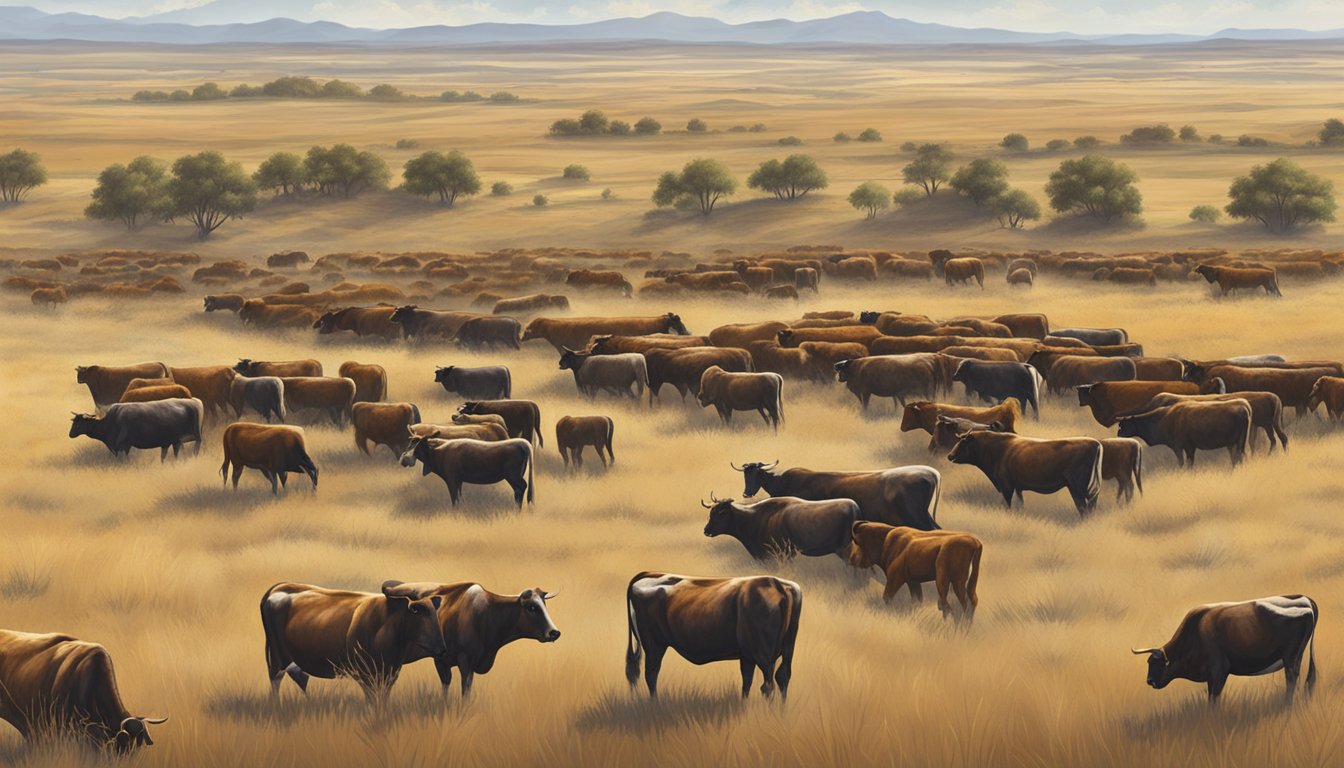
column 1081, row 16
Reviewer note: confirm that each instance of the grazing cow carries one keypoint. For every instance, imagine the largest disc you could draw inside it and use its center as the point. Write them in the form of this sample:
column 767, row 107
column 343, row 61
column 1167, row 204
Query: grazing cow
column 370, row 380
column 924, row 415
column 823, row 356
column 210, row 384
column 417, row 322
column 54, row 683
column 894, row 376
column 856, row 268
column 899, row 496
column 608, row 278
column 1122, row 461
column 289, row 259
column 1266, row 411
column 683, row 368
column 1021, row 277
column 784, row 525
column 758, row 277
column 1071, row 371
column 477, row 624
column 768, row 356
column 845, row 334
column 526, row 305
column 107, row 383
column 257, row 312
column 1028, row 264
column 615, row 345
column 332, row 396
column 384, row 424
column 1187, row 426
column 150, row 394
column 49, row 296
column 805, row 278
column 910, row 557
column 362, row 321
column 328, row 633
column 626, row 374
column 273, row 450
column 1328, row 390
column 161, row 424
column 964, row 270
column 1292, row 385
column 263, row 394
column 1109, row 399
column 753, row 620
column 489, row 331
column 781, row 292
column 574, row 332
column 949, row 429
column 994, row 381
column 229, row 302
column 1015, row 464
column 491, row 382
column 489, row 432
column 283, row 368
column 477, row 462
column 1251, row 638
column 522, row 418
column 728, row 392
column 1094, row 335
column 574, row 433
column 741, row 335
column 1026, row 325
column 1240, row 278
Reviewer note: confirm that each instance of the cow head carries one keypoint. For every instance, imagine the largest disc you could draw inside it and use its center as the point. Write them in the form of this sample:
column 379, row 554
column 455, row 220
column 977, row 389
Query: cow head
column 82, row 424
column 415, row 448
column 869, row 317
column 963, row 370
column 327, row 322
column 82, row 373
column 842, row 370
column 246, row 366
column 1159, row 667
column 859, row 556
column 534, row 621
column 1216, row 386
column 132, row 733
column 1316, row 397
column 675, row 325
column 420, row 615
column 967, row 450
column 533, row 330
column 443, row 374
column 210, row 304
column 1191, row 371
column 1207, row 271
column 720, row 515
column 403, row 314
column 785, row 337
column 1139, row 425
column 913, row 416
column 753, row 475
column 571, row 360
column 1084, row 394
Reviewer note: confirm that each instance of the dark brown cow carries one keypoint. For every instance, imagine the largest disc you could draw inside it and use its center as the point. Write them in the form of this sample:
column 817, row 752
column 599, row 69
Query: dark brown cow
column 894, row 376
column 383, row 424
column 607, row 344
column 370, row 380
column 230, row 302
column 282, row 368
column 741, row 335
column 806, row 278
column 475, row 462
column 848, row 334
column 331, row 395
column 1266, row 411
column 107, row 383
column 898, row 496
column 784, row 526
column 767, row 355
column 1122, row 461
column 1292, row 385
column 521, row 417
column 328, row 633
column 910, row 557
column 257, row 312
column 729, row 392
column 1187, row 426
column 823, row 356
column 208, row 383
column 1244, row 278
column 423, row 323
column 574, row 433
column 610, row 279
column 274, row 450
column 1015, row 464
column 54, row 684
column 150, row 394
column 1158, row 368
column 1109, row 399
column 753, row 620
column 964, row 270
column 489, row 331
column 532, row 303
column 362, row 321
column 1072, row 371
column 684, row 367
column 1328, row 390
column 924, row 415
column 574, row 332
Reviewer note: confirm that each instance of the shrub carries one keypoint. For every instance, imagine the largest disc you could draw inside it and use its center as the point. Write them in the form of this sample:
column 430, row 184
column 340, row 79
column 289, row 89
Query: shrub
column 292, row 88
column 1332, row 133
column 1096, row 185
column 1281, row 195
column 1188, row 133
column 540, row 201
column 208, row 92
column 619, row 128
column 840, row 137
column 246, row 92
column 1087, row 142
column 340, row 89
column 696, row 125
column 871, row 197
column 576, row 172
column 407, row 144
column 1151, row 134
column 757, row 128
column 566, row 127
column 647, row 126
column 701, row 184
column 1215, row 138
column 594, row 121
column 607, row 194
column 501, row 189
column 1247, row 140
column 179, row 95
column 385, row 92
column 738, row 129
column 150, row 96
column 1056, row 145
column 791, row 141
column 906, row 197
column 503, row 97
column 909, row 146
column 1205, row 213
column 870, row 134
column 344, row 169
column 1015, row 142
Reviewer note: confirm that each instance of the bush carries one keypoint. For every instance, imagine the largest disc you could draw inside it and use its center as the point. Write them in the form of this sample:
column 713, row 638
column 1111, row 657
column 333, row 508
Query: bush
column 1281, row 195
column 407, row 144
column 385, row 92
column 1205, row 213
column 791, row 141
column 696, row 125
column 1332, row 133
column 981, row 180
column 757, row 128
column 840, row 137
column 909, row 146
column 150, row 96
column 1188, row 133
column 1096, row 185
column 1215, row 138
column 576, row 172
column 504, row 97
column 340, row 89
column 133, row 194
column 292, row 88
column 619, row 128
column 870, row 134
column 246, row 92
column 281, row 171
column 607, row 194
column 1087, row 142
column 449, row 176
column 21, row 171
column 1247, row 140
column 1056, row 145
column 1015, row 142
column 1015, row 207
column 208, row 92
column 870, row 196
column 566, row 127
column 501, row 189
column 540, row 201
column 738, row 129
column 179, row 95
column 931, row 167
column 344, row 169
column 903, row 198
column 701, row 184
column 594, row 121
column 1152, row 134
column 788, row 180
column 647, row 126
column 471, row 96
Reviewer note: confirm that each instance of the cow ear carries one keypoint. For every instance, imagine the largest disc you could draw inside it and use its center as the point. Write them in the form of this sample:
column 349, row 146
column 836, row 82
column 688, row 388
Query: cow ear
column 525, row 596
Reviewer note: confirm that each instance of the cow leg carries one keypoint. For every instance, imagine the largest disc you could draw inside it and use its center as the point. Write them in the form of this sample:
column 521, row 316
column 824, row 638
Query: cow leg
column 467, row 673
column 445, row 669
column 916, row 591
column 177, row 449
column 1217, row 679
column 273, row 477
column 653, row 661
column 768, row 673
column 942, row 583
column 598, row 448
column 748, row 674
column 960, row 589
column 299, row 677
column 578, row 455
column 237, row 473
column 895, row 579
column 519, row 486
column 283, row 477
column 163, row 454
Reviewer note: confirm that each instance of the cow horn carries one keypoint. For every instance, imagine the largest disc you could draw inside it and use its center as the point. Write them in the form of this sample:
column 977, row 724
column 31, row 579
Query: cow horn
column 713, row 498
column 707, row 506
column 734, row 466
column 548, row 595
column 1141, row 651
column 772, row 465
column 155, row 720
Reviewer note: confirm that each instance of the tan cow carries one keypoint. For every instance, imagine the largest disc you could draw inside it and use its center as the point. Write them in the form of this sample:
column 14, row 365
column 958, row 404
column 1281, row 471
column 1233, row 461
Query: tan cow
column 910, row 557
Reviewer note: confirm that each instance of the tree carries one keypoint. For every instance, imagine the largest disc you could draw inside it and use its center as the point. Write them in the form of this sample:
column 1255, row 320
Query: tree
column 1015, row 142
column 1149, row 134
column 208, row 92
column 385, row 92
column 246, row 91
column 282, row 171
column 701, row 183
column 503, row 97
column 870, row 196
column 448, row 175
column 1206, row 214
column 208, row 190
column 1188, row 133
column 1281, row 195
column 133, row 194
column 501, row 189
column 1087, row 142
column 981, row 180
column 1056, row 145
column 840, row 137
column 340, row 89
column 696, row 125
column 788, row 180
column 21, row 172
column 647, row 126
column 1247, row 140
column 931, row 167
column 790, row 141
column 566, row 127
column 1014, row 207
column 1095, row 185
column 540, row 201
column 909, row 146
column 346, row 169
column 619, row 128
column 870, row 134
column 576, row 172
column 593, row 122
column 1332, row 133
column 292, row 88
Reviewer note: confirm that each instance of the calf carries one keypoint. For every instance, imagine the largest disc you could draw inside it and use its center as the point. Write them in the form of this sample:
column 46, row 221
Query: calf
column 784, row 525
column 1122, row 461
column 910, row 557
column 477, row 462
column 384, row 424
column 1016, row 464
column 728, row 392
column 1328, row 390
column 275, row 451
column 573, row 433
column 768, row 357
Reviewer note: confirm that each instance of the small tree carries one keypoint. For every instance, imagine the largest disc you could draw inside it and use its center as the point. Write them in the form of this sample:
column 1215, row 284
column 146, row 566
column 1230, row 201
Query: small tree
column 566, row 127
column 1188, row 133
column 647, row 126
column 757, row 128
column 503, row 97
column 1247, row 140
column 246, row 91
column 909, row 146
column 1149, row 134
column 385, row 92
column 1215, row 138
column 1206, row 214
column 1015, row 207
column 870, row 134
column 593, row 122
column 871, row 197
column 607, row 194
column 1281, row 195
column 1332, row 133
column 904, row 198
column 840, row 137
column 21, row 172
column 134, row 194
column 931, row 167
column 448, row 175
column 1096, row 185
column 292, row 88
column 1056, row 145
column 701, row 184
column 208, row 92
column 696, row 125
column 791, row 141
column 788, row 180
column 576, row 172
column 282, row 171
column 981, row 180
column 1087, row 142
column 208, row 190
column 345, row 169
column 1015, row 142
column 540, row 201
column 501, row 189
column 340, row 89
column 619, row 128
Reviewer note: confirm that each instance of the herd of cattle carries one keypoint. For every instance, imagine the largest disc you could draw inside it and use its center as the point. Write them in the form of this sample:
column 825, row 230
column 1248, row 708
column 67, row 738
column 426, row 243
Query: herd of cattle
column 885, row 519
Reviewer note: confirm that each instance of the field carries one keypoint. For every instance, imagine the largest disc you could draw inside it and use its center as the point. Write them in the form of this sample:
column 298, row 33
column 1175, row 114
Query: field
column 165, row 567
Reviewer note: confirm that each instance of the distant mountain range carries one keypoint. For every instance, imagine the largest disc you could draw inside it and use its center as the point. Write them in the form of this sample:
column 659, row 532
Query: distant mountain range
column 205, row 24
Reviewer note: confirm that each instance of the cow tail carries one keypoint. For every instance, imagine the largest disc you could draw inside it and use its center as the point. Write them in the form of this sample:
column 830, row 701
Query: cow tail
column 1036, row 379
column 974, row 579
column 1278, row 424
column 536, row 420
column 794, row 598
column 1094, row 483
column 634, row 647
column 531, row 485
column 1311, row 659
column 281, row 405
column 779, row 396
column 1274, row 282
column 1138, row 467
column 933, row 503
column 508, row 384
column 383, row 376
column 415, row 413
column 1244, row 439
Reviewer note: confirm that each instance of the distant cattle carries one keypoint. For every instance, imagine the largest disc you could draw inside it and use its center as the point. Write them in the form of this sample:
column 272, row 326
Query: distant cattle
column 781, row 292
column 489, row 332
column 574, row 433
column 993, row 381
column 521, row 417
column 290, row 259
column 275, row 451
column 249, row 367
column 491, row 382
column 729, row 392
column 857, row 334
column 230, row 302
column 428, row 323
column 383, row 424
column 785, row 525
column 683, row 367
column 856, row 268
column 332, row 396
column 758, row 277
column 263, row 394
column 1122, row 461
column 362, row 321
column 526, row 305
column 753, row 620
column 1185, row 427
column 1245, row 278
column 1328, row 390
column 894, row 376
column 1025, row 264
column 964, row 270
column 49, row 297
column 1021, row 277
column 574, row 332
column 107, row 383
column 257, row 312
column 910, row 557
column 370, row 380
column 1015, row 464
column 625, row 374
column 740, row 335
column 607, row 344
column 1266, row 411
column 899, row 496
column 608, row 279
column 161, row 424
column 1111, row 398
column 475, row 462
column 150, row 394
column 1093, row 335
column 806, row 278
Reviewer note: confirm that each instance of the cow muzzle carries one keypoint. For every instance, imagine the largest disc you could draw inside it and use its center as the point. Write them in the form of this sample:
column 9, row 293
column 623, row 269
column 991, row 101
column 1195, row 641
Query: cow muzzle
column 551, row 636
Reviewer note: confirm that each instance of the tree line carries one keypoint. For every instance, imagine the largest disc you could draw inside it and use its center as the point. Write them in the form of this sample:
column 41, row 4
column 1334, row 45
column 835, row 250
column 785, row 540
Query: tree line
column 297, row 87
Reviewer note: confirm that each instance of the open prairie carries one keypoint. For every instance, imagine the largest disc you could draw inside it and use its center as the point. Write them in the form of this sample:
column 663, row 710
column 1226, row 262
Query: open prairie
column 165, row 566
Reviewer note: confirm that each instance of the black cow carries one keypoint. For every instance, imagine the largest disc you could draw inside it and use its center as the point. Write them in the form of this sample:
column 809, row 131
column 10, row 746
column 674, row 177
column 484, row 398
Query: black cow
column 1093, row 335
column 491, row 382
column 161, row 424
column 995, row 381
column 899, row 496
column 784, row 525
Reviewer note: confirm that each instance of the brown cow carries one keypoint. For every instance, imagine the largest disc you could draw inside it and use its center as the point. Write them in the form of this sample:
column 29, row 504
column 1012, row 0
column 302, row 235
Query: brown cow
column 805, row 278
column 150, row 394
column 107, row 383
column 683, row 368
column 143, row 383
column 910, row 557
column 282, row 368
column 1266, row 411
column 257, row 312
column 526, row 305
column 421, row 323
column 522, row 418
column 1187, row 426
column 924, row 415
column 963, row 270
column 54, row 683
column 741, row 335
column 823, row 355
column 478, row 462
column 894, row 376
column 331, row 395
column 574, row 332
column 362, row 321
column 383, row 424
column 856, row 268
column 1015, row 464
column 370, row 380
column 1021, row 277
column 490, row 432
column 728, row 392
column 1122, row 461
column 49, row 296
column 573, row 433
column 1292, row 385
column 847, row 334
column 1158, row 368
column 274, row 450
column 230, row 302
column 589, row 278
column 1070, row 371
column 981, row 353
column 607, row 344
column 1109, row 399
column 1234, row 278
column 208, row 383
column 767, row 355
column 1027, row 325
column 1328, row 390
column 758, row 278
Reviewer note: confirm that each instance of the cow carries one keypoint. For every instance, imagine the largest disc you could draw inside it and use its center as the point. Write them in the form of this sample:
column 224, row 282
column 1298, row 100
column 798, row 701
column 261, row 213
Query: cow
column 784, row 526
column 574, row 332
column 924, row 415
column 1266, row 411
column 1109, row 399
column 1187, row 426
column 590, row 278
column 994, row 381
column 964, row 270
column 1122, row 461
column 625, row 374
column 684, row 367
column 979, row 327
column 1094, row 335
column 383, row 424
column 845, row 334
column 491, row 382
column 522, row 418
column 1071, row 371
column 290, row 259
column 949, row 429
column 107, row 383
column 150, row 394
column 1292, row 385
column 977, row 353
column 477, row 624
column 910, row 557
column 328, row 633
column 1015, row 464
column 210, row 384
column 823, row 356
column 484, row 418
column 135, row 384
column 1240, row 278
column 768, row 356
column 1251, row 638
column 52, row 683
column 758, row 277
column 607, row 344
column 263, row 315
column 728, row 392
column 1026, row 325
column 370, row 380
column 275, row 451
column 333, row 396
column 574, row 433
column 263, row 394
column 416, row 322
column 51, row 297
column 526, row 305
column 161, row 424
column 1158, row 368
column 489, row 432
column 249, row 367
column 1328, row 390
column 362, row 321
column 477, row 462
column 224, row 302
column 741, row 335
column 753, row 620
column 899, row 496
column 1021, row 277
column 805, row 278
column 1020, row 263
column 781, row 292
column 894, row 376
column 489, row 331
